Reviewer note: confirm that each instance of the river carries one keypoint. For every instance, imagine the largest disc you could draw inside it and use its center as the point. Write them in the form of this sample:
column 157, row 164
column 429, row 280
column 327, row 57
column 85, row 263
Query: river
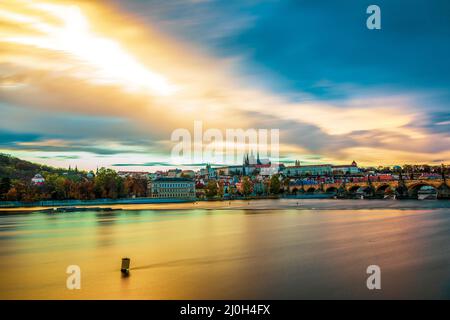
column 262, row 249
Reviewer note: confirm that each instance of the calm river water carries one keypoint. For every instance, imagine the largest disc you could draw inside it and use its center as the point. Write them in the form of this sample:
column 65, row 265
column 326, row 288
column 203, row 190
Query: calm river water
column 265, row 249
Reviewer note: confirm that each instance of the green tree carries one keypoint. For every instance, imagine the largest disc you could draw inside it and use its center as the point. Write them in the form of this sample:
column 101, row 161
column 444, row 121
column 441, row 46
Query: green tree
column 5, row 185
column 57, row 186
column 274, row 184
column 211, row 189
column 246, row 186
column 232, row 191
column 220, row 190
column 108, row 184
column 284, row 187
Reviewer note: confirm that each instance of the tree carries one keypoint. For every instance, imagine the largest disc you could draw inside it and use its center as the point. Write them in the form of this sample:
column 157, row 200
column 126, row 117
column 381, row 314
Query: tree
column 135, row 186
column 18, row 192
column 274, row 184
column 211, row 189
column 5, row 185
column 85, row 190
column 220, row 190
column 246, row 186
column 56, row 186
column 232, row 191
column 284, row 187
column 108, row 184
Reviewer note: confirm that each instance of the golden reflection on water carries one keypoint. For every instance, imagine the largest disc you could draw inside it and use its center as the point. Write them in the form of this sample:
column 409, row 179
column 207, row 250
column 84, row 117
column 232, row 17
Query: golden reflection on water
column 234, row 253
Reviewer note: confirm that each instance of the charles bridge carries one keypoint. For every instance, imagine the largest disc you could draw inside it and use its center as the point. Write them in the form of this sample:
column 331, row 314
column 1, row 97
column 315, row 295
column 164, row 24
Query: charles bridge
column 406, row 187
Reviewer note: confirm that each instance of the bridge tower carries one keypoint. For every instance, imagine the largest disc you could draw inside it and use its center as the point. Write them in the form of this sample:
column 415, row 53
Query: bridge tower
column 370, row 186
column 401, row 190
column 444, row 190
column 342, row 190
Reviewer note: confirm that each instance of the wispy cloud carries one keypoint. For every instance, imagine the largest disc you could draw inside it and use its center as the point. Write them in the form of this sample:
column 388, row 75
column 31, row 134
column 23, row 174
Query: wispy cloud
column 71, row 81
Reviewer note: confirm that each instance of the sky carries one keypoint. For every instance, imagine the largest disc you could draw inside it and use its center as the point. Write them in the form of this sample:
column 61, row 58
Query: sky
column 106, row 83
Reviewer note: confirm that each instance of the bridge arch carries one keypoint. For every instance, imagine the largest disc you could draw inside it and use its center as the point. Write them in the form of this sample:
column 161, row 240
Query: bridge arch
column 353, row 189
column 382, row 188
column 401, row 190
column 443, row 191
column 364, row 189
column 414, row 188
column 442, row 186
column 310, row 189
column 331, row 189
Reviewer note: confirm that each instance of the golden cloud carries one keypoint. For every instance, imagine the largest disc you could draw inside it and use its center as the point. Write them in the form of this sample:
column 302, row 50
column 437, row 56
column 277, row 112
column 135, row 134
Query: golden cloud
column 90, row 58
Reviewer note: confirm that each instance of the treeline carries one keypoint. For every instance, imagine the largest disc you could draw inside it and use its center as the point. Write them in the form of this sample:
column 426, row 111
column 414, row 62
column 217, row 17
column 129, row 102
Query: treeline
column 18, row 169
column 216, row 190
column 105, row 184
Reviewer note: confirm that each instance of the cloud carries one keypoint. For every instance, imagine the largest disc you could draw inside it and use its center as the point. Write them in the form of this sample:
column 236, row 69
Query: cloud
column 68, row 74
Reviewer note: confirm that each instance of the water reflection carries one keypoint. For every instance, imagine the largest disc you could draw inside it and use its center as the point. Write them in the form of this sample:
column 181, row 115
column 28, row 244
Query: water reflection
column 257, row 252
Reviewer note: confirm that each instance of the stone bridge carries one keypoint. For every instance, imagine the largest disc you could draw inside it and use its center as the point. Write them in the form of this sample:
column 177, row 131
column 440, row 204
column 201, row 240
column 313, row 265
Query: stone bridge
column 380, row 187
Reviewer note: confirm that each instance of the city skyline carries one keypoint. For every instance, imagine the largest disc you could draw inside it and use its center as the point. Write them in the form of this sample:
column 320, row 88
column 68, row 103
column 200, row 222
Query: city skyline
column 105, row 84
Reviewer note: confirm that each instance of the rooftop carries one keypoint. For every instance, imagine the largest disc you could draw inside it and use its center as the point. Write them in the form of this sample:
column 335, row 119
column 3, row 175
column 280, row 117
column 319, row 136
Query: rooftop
column 167, row 179
column 310, row 166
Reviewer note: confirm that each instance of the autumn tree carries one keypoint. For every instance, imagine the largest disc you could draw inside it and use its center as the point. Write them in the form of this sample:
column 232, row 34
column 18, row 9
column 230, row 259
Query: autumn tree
column 108, row 184
column 5, row 185
column 274, row 184
column 246, row 186
column 135, row 186
column 220, row 189
column 211, row 189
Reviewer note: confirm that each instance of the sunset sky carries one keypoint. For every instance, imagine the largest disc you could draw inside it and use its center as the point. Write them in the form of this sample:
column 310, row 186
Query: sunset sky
column 105, row 83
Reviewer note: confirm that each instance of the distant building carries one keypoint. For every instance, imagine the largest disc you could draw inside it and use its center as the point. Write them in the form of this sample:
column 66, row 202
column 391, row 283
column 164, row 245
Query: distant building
column 174, row 173
column 209, row 172
column 155, row 175
column 252, row 165
column 346, row 169
column 179, row 188
column 231, row 170
column 38, row 180
column 134, row 174
column 267, row 169
column 311, row 170
column 188, row 174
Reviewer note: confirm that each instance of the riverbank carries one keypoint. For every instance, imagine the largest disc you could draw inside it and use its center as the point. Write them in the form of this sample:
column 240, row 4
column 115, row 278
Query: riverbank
column 255, row 205
column 105, row 202
column 71, row 203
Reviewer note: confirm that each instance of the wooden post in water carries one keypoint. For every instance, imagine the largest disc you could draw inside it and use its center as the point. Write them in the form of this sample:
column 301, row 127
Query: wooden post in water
column 125, row 268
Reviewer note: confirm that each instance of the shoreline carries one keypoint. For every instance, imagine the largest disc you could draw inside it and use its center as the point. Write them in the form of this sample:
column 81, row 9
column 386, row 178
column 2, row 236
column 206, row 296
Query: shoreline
column 103, row 202
column 239, row 204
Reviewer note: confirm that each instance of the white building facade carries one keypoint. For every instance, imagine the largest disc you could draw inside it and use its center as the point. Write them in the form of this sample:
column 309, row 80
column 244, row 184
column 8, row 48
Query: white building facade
column 178, row 188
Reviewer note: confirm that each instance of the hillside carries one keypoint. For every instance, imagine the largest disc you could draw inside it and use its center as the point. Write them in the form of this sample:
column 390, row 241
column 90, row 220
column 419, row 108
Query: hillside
column 15, row 168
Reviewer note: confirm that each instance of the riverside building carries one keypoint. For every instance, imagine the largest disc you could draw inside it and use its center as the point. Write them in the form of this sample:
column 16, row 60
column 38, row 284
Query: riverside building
column 178, row 188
